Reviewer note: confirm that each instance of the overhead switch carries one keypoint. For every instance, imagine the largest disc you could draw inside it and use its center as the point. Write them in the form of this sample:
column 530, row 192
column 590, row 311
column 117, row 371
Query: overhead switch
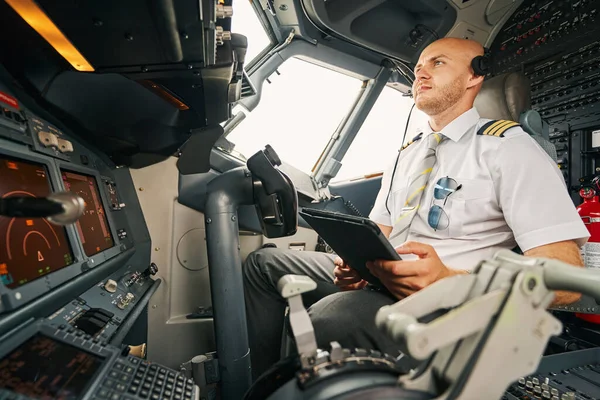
column 64, row 146
column 48, row 139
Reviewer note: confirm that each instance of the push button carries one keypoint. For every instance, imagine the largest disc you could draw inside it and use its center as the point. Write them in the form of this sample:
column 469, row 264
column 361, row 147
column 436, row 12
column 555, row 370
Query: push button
column 109, row 383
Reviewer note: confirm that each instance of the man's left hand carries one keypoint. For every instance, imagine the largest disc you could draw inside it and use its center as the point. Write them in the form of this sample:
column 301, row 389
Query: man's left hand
column 403, row 278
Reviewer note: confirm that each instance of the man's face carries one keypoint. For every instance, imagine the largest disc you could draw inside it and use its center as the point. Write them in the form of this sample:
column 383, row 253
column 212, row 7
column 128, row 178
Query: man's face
column 441, row 78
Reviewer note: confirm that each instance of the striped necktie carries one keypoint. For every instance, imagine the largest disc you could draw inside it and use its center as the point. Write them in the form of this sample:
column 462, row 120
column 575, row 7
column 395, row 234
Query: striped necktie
column 418, row 182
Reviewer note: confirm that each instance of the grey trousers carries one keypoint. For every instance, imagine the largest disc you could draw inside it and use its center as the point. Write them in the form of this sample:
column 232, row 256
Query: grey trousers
column 346, row 317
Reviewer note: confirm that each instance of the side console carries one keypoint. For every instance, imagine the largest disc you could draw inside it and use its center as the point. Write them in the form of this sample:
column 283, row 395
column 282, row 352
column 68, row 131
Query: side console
column 567, row 376
column 107, row 310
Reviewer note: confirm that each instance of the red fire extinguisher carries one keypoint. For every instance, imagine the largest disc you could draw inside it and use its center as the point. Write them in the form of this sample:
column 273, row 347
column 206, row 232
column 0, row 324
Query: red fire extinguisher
column 589, row 211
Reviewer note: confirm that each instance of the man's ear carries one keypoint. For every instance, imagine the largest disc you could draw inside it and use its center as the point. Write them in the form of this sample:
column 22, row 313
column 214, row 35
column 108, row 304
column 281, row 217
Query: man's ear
column 474, row 80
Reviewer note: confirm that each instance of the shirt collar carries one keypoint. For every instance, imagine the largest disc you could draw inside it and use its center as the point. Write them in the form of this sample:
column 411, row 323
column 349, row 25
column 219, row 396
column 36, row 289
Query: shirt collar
column 457, row 128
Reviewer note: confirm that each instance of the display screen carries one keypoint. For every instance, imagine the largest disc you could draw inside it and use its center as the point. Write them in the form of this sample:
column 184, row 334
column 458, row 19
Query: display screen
column 92, row 226
column 29, row 247
column 44, row 368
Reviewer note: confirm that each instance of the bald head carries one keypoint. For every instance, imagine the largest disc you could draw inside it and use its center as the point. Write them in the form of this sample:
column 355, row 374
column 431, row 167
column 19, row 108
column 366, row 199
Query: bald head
column 465, row 48
column 444, row 77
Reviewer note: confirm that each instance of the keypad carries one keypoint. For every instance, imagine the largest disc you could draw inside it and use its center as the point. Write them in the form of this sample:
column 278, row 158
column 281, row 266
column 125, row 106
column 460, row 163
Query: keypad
column 133, row 378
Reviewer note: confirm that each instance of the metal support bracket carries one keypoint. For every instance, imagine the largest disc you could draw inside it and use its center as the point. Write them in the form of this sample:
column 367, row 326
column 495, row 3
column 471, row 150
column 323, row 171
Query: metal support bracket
column 291, row 287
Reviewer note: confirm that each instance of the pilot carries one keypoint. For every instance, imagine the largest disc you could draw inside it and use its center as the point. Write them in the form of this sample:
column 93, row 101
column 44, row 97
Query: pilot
column 464, row 188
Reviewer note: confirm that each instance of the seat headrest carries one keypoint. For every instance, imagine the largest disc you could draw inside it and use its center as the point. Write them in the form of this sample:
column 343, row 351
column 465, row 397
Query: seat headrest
column 532, row 123
column 504, row 96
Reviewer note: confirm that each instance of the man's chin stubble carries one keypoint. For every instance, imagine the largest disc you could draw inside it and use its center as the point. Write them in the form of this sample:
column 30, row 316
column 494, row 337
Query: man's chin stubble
column 432, row 107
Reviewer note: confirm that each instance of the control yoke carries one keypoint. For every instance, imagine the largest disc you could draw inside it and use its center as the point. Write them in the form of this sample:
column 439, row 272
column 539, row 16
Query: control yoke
column 60, row 208
column 275, row 196
column 496, row 325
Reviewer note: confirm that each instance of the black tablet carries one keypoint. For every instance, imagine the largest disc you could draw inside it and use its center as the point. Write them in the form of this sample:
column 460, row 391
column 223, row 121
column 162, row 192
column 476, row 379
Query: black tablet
column 355, row 239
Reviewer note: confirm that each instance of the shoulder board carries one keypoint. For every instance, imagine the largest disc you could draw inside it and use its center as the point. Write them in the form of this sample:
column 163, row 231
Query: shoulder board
column 496, row 127
column 419, row 136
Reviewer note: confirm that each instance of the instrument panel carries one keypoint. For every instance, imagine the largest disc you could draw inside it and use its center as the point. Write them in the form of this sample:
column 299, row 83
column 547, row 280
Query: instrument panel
column 556, row 44
column 37, row 159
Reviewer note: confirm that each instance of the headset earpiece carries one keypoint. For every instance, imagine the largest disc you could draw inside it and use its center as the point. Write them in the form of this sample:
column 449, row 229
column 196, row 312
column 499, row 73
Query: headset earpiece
column 482, row 65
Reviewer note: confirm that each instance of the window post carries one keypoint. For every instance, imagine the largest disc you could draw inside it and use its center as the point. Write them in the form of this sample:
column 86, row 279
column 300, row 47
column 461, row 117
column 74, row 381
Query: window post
column 330, row 161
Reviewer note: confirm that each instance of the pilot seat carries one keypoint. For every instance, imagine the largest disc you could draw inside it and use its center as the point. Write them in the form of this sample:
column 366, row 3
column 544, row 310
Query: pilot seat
column 508, row 96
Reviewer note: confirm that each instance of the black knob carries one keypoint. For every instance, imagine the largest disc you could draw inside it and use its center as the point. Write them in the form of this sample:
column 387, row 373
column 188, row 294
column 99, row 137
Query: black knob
column 151, row 270
column 272, row 156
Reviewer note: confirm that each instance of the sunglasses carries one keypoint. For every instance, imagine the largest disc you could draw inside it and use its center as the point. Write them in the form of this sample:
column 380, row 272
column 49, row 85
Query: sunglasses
column 444, row 187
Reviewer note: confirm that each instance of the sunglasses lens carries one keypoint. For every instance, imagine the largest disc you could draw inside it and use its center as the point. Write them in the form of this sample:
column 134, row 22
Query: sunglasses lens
column 444, row 187
column 437, row 218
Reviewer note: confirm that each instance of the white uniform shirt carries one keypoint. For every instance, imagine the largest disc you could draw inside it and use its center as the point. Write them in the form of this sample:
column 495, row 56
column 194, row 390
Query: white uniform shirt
column 512, row 193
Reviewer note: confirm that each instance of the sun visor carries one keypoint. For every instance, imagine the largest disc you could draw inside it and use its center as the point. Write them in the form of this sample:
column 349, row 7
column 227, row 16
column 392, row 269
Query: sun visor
column 195, row 155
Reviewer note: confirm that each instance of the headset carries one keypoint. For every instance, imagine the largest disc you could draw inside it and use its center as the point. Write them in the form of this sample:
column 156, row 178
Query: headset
column 482, row 64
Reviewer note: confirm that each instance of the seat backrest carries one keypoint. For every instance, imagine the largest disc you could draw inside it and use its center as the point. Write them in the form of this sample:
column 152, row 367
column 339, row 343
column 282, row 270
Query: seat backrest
column 508, row 96
column 504, row 96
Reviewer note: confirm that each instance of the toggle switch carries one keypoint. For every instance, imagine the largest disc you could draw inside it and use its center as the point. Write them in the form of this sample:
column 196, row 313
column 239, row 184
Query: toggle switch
column 110, row 286
column 124, row 302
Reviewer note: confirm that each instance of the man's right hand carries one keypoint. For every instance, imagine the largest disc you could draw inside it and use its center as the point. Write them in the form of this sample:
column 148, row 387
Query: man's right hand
column 347, row 278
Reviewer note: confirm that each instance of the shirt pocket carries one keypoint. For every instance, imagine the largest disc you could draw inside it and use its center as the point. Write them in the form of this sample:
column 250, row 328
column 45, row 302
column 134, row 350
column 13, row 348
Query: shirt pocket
column 397, row 198
column 470, row 207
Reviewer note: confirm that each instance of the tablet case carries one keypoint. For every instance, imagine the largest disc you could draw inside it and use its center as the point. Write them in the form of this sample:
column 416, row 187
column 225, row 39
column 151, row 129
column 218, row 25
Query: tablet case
column 354, row 239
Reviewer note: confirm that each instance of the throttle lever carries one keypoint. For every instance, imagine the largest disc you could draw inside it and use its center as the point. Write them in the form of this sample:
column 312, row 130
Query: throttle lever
column 559, row 275
column 562, row 276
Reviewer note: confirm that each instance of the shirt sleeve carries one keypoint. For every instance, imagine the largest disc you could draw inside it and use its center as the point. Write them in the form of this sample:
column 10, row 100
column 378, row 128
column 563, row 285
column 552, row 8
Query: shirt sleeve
column 532, row 194
column 379, row 213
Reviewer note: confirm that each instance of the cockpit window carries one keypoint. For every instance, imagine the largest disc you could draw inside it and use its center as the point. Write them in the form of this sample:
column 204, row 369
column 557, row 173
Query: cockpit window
column 377, row 142
column 297, row 114
column 247, row 23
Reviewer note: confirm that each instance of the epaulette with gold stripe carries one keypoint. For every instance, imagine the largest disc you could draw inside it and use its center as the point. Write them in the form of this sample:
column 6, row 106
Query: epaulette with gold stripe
column 496, row 127
column 419, row 136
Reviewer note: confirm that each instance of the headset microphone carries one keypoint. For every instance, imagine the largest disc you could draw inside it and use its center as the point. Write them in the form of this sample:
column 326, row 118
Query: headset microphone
column 398, row 157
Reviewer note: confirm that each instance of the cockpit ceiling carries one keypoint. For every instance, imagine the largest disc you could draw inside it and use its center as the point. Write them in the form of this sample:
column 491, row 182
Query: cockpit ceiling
column 400, row 29
column 133, row 78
